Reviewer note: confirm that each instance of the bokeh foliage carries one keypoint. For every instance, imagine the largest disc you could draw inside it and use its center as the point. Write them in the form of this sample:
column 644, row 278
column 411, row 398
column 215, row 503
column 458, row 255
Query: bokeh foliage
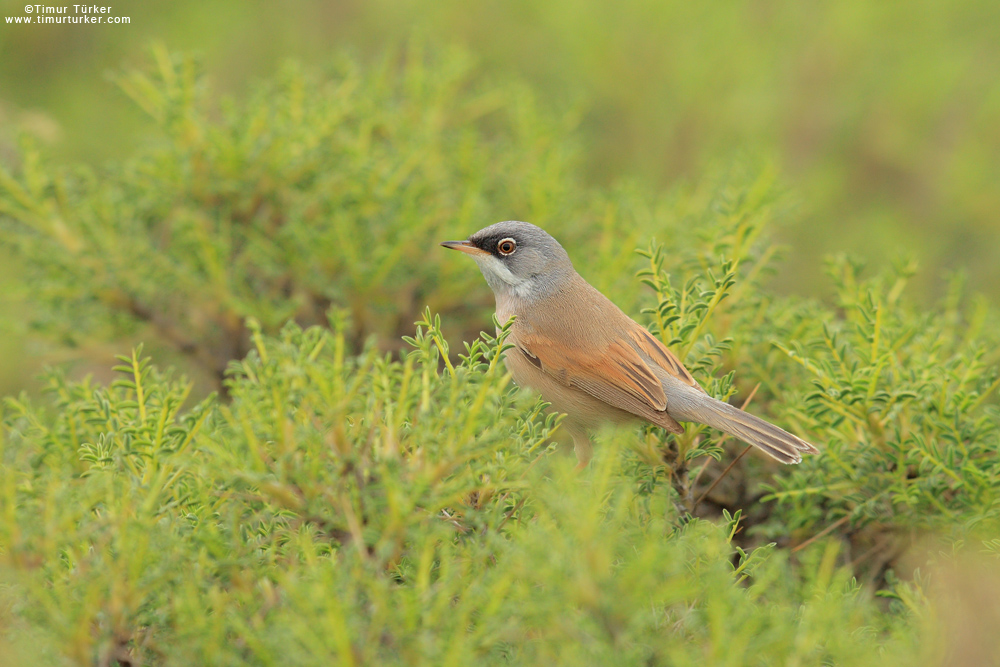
column 318, row 190
column 883, row 115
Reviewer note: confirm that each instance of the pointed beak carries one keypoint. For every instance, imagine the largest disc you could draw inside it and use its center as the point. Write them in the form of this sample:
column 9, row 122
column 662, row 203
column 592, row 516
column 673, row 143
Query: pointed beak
column 464, row 246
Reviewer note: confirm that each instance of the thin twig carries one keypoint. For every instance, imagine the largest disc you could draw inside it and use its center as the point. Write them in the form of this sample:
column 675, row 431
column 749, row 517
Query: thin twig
column 841, row 521
column 724, row 473
column 750, row 397
column 516, row 507
column 730, row 466
column 880, row 544
column 833, row 526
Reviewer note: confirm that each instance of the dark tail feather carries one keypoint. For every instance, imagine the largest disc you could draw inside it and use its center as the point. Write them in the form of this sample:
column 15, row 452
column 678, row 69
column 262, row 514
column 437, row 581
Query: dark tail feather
column 775, row 442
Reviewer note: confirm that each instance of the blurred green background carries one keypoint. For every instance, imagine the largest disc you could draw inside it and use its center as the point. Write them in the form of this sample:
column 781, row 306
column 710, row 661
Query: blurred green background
column 882, row 118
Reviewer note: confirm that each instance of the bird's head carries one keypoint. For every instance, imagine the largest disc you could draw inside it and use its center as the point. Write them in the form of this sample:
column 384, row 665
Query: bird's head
column 517, row 258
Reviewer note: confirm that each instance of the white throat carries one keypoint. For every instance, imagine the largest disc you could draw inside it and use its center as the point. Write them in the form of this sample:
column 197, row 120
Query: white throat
column 500, row 278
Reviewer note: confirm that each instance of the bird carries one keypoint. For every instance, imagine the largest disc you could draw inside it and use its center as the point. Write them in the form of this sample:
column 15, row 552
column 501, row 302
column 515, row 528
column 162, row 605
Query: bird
column 587, row 358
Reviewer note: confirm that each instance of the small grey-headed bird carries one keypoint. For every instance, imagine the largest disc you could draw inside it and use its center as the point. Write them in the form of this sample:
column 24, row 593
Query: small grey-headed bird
column 588, row 358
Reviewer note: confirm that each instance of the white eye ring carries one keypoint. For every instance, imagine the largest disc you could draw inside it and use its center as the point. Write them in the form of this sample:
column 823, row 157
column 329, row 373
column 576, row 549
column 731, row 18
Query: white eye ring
column 506, row 246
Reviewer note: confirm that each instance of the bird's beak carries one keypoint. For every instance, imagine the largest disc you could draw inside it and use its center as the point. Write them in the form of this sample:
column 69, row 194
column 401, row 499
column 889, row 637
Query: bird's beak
column 464, row 246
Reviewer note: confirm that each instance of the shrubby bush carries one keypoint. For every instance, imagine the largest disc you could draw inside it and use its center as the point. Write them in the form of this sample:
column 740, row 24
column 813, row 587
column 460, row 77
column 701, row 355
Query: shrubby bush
column 904, row 396
column 321, row 189
column 384, row 503
column 368, row 510
column 901, row 397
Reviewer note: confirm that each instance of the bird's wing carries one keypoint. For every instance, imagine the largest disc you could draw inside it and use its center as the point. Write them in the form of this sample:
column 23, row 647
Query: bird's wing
column 618, row 374
column 656, row 352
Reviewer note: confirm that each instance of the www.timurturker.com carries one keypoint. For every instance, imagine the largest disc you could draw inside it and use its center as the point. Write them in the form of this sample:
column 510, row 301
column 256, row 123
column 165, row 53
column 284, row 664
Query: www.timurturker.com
column 67, row 14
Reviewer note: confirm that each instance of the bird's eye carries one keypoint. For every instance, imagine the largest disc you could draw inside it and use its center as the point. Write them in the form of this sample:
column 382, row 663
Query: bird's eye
column 507, row 246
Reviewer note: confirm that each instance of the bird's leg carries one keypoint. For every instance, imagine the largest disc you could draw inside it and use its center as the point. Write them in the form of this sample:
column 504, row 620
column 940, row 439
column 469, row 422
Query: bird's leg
column 581, row 445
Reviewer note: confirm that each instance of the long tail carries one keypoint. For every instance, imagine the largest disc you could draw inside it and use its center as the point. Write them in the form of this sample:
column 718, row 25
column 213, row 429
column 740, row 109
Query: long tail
column 774, row 441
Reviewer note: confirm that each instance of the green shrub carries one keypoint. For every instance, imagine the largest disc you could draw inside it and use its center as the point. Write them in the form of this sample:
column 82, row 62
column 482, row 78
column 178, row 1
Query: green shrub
column 905, row 397
column 321, row 189
column 348, row 504
column 900, row 397
column 367, row 509
column 371, row 511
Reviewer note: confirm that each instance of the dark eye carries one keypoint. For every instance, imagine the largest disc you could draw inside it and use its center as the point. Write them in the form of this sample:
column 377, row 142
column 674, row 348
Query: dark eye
column 507, row 246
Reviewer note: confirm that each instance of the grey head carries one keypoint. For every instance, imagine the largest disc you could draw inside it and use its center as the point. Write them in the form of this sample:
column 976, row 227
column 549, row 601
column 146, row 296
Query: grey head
column 518, row 258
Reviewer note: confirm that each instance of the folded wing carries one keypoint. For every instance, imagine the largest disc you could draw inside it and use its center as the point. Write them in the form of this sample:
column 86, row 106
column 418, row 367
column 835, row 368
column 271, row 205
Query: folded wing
column 620, row 374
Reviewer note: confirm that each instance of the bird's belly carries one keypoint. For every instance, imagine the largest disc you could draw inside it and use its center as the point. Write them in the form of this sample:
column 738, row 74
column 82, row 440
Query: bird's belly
column 581, row 407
